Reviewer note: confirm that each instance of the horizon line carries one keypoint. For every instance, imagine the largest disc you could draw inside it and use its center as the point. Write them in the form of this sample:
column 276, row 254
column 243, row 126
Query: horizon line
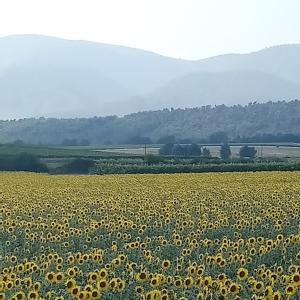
column 141, row 49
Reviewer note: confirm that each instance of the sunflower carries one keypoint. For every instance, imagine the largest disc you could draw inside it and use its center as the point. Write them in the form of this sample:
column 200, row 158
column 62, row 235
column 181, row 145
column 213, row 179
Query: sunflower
column 120, row 286
column 139, row 289
column 295, row 279
column 155, row 281
column 70, row 284
column 178, row 282
column 165, row 264
column 82, row 295
column 102, row 285
column 290, row 290
column 188, row 282
column 59, row 277
column 74, row 291
column 277, row 296
column 32, row 295
column 268, row 292
column 95, row 294
column 50, row 277
column 103, row 273
column 234, row 289
column 165, row 297
column 207, row 281
column 20, row 296
column 141, row 277
column 258, row 286
column 92, row 277
column 71, row 272
column 242, row 274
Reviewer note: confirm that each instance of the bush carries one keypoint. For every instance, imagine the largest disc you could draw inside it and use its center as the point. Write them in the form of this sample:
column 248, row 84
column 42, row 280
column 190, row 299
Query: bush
column 22, row 162
column 76, row 166
column 204, row 168
column 247, row 151
column 166, row 149
column 225, row 151
column 151, row 159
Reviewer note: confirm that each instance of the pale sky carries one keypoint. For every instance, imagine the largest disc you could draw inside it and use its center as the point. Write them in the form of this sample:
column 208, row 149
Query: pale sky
column 190, row 29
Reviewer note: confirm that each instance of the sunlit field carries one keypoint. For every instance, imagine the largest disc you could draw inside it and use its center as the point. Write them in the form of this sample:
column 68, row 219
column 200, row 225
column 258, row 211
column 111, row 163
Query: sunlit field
column 184, row 236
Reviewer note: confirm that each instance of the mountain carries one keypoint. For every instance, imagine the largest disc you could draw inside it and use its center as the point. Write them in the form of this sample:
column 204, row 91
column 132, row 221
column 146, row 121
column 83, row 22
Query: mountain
column 236, row 87
column 48, row 76
column 52, row 77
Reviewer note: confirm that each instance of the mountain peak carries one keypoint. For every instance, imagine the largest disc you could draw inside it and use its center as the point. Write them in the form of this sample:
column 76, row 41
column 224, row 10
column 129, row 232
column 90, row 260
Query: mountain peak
column 50, row 76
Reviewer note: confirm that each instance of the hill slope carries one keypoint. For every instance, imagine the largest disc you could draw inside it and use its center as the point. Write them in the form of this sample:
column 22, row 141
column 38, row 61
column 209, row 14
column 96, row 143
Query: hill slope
column 196, row 123
column 46, row 76
column 222, row 87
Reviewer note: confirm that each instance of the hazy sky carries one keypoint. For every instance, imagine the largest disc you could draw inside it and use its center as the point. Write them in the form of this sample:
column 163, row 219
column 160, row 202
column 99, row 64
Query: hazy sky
column 189, row 29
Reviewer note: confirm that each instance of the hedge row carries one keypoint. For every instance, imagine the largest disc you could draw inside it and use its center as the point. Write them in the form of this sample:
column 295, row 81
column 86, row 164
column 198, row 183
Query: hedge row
column 163, row 168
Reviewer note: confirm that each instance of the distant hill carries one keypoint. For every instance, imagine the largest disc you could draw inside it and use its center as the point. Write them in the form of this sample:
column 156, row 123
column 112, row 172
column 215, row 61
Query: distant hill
column 235, row 87
column 51, row 77
column 85, row 78
column 196, row 124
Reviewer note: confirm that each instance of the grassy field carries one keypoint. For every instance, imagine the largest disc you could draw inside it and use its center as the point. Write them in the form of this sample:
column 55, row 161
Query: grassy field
column 183, row 236
column 281, row 150
column 272, row 150
column 51, row 151
column 130, row 158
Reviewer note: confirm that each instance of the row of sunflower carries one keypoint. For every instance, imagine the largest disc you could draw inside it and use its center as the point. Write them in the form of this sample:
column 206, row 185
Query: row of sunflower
column 183, row 236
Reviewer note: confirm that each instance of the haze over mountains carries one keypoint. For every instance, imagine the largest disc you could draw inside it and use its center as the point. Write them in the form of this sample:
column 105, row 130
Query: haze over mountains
column 51, row 77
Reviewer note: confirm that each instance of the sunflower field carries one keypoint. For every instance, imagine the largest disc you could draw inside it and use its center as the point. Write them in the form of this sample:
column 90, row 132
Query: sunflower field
column 179, row 236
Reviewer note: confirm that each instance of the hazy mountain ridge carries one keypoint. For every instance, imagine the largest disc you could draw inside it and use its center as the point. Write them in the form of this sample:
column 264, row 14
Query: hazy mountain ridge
column 207, row 88
column 46, row 76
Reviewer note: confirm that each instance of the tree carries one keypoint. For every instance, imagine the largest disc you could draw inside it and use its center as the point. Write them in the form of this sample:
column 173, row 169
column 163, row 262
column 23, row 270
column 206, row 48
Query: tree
column 151, row 159
column 28, row 162
column 225, row 151
column 194, row 150
column 178, row 150
column 218, row 137
column 77, row 166
column 247, row 152
column 166, row 149
column 205, row 152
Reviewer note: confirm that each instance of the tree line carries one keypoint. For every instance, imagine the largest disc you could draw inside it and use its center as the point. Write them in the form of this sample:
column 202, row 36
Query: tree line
column 171, row 149
column 255, row 122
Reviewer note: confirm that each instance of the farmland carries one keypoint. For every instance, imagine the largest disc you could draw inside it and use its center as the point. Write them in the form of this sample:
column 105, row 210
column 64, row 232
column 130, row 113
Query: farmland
column 264, row 150
column 183, row 236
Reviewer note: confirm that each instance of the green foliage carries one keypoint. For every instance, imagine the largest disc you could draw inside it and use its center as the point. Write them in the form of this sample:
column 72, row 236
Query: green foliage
column 76, row 166
column 225, row 151
column 180, row 150
column 22, row 162
column 247, row 151
column 189, row 168
column 151, row 159
column 166, row 149
column 206, row 152
column 202, row 124
column 193, row 150
column 51, row 151
column 218, row 137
